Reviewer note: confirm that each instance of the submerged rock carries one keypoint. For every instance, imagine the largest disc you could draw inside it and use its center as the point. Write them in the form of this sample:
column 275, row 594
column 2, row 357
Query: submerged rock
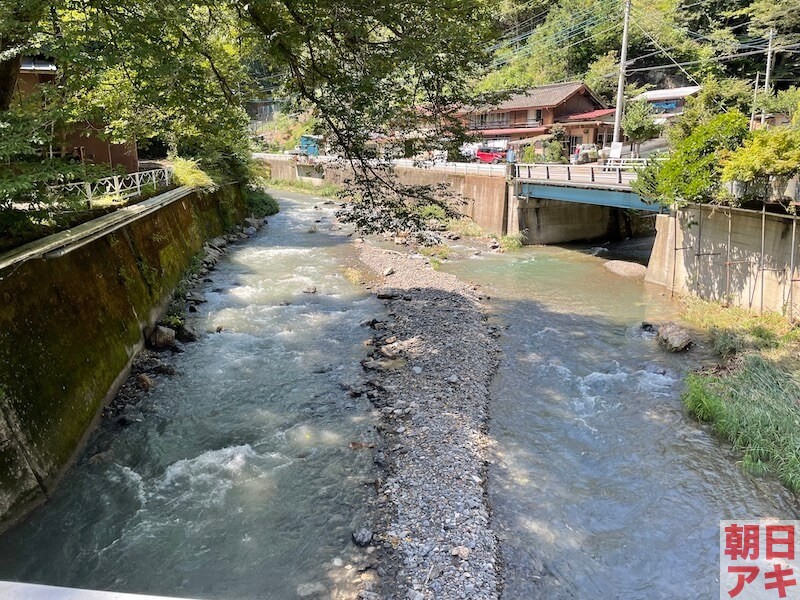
column 624, row 268
column 362, row 537
column 311, row 590
column 186, row 334
column 673, row 337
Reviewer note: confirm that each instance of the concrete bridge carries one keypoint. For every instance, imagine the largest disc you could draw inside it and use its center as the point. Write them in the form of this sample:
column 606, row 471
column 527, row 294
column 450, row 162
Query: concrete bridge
column 599, row 185
column 549, row 203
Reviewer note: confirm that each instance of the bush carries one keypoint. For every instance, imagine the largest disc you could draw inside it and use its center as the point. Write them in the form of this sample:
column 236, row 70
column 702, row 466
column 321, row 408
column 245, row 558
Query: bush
column 513, row 242
column 187, row 172
column 259, row 203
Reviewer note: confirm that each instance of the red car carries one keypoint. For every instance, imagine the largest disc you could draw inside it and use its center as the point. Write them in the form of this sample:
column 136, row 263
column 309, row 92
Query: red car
column 490, row 155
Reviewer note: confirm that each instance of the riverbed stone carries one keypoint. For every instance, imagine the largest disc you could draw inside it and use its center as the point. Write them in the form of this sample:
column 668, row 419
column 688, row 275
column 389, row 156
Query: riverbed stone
column 311, row 590
column 186, row 333
column 624, row 268
column 362, row 536
column 674, row 338
column 162, row 337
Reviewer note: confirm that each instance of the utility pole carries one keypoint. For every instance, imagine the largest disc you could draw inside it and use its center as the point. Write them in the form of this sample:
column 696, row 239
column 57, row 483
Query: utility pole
column 767, row 74
column 623, row 59
column 755, row 99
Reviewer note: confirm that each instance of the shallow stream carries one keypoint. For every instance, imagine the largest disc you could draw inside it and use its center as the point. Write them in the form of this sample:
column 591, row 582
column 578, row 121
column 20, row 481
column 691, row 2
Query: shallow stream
column 235, row 479
column 601, row 486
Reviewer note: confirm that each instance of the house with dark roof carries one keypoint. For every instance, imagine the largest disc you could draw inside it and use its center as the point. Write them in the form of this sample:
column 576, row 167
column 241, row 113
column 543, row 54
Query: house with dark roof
column 526, row 117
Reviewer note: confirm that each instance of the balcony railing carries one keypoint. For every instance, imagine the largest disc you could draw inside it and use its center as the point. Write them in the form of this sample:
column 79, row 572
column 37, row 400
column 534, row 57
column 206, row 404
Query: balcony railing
column 503, row 124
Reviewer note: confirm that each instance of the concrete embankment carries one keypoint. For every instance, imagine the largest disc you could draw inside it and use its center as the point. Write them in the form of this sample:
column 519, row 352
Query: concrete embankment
column 740, row 257
column 71, row 325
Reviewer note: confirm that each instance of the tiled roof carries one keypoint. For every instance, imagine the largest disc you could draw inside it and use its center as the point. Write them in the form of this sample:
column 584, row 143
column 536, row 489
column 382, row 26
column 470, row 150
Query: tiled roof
column 544, row 96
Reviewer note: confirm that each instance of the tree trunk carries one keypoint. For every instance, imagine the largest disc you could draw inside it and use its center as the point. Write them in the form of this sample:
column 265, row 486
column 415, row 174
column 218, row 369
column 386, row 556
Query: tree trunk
column 9, row 74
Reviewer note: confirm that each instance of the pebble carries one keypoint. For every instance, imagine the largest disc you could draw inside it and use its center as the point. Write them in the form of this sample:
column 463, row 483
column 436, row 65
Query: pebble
column 417, row 370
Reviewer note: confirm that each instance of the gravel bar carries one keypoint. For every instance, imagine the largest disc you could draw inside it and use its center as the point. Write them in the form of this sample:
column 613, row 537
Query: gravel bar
column 433, row 362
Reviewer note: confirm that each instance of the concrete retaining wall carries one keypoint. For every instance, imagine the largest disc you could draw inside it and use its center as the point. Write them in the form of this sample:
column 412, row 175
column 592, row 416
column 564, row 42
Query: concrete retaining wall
column 485, row 195
column 710, row 267
column 70, row 326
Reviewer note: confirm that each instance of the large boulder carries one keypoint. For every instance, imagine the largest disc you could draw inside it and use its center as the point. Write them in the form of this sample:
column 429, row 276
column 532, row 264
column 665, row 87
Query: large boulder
column 162, row 338
column 673, row 337
column 623, row 268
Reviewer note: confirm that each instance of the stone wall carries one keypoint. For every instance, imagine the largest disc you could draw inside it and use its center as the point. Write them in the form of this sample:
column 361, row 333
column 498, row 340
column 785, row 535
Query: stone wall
column 719, row 257
column 70, row 327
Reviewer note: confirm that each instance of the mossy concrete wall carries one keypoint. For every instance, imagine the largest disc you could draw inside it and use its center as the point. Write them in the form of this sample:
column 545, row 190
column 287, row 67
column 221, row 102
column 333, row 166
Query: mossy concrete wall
column 70, row 327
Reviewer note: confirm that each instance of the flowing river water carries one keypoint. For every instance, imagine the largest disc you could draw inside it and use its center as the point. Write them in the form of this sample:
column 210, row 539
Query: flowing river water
column 235, row 479
column 601, row 486
column 238, row 481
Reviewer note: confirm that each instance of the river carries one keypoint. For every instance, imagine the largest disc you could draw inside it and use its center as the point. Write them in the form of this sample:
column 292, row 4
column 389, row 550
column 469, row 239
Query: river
column 601, row 486
column 235, row 479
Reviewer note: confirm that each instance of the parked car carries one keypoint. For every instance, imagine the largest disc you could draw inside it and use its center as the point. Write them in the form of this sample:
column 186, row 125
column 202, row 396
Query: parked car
column 490, row 155
column 584, row 153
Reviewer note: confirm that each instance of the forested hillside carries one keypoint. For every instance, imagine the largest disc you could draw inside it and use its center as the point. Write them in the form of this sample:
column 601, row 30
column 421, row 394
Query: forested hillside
column 672, row 42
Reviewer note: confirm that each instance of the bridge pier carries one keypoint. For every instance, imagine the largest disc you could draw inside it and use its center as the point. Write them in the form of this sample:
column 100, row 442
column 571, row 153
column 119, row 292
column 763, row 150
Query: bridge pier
column 556, row 222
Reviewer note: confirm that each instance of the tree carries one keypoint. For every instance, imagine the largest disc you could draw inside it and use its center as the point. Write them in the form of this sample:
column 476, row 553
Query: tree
column 767, row 160
column 639, row 123
column 692, row 173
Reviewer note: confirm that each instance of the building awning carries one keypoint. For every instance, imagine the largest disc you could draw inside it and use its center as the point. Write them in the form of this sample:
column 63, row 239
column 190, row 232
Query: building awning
column 531, row 140
column 37, row 65
column 511, row 131
column 592, row 115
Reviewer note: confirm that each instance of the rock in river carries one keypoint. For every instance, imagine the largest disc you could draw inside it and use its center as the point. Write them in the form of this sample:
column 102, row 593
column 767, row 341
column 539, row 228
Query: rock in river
column 624, row 268
column 362, row 537
column 162, row 338
column 673, row 337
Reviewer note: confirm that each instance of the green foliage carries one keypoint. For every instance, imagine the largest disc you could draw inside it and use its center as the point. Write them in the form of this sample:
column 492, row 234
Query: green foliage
column 529, row 155
column 259, row 203
column 785, row 101
column 715, row 97
column 510, row 243
column 755, row 409
column 554, row 152
column 465, row 227
column 768, row 154
column 284, row 131
column 187, row 172
column 432, row 211
column 326, row 190
column 692, row 173
column 578, row 40
column 600, row 75
column 639, row 123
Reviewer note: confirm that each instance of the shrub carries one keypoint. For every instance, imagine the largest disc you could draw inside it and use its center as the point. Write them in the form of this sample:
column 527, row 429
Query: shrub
column 509, row 243
column 187, row 171
column 259, row 203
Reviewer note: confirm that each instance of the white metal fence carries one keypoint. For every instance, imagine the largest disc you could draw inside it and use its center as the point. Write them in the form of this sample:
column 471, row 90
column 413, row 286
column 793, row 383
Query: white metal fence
column 116, row 188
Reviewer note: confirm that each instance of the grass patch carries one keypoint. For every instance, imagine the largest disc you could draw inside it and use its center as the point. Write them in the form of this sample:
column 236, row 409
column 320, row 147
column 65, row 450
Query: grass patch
column 510, row 243
column 755, row 408
column 354, row 276
column 465, row 227
column 440, row 252
column 259, row 203
column 327, row 190
column 754, row 402
column 735, row 330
